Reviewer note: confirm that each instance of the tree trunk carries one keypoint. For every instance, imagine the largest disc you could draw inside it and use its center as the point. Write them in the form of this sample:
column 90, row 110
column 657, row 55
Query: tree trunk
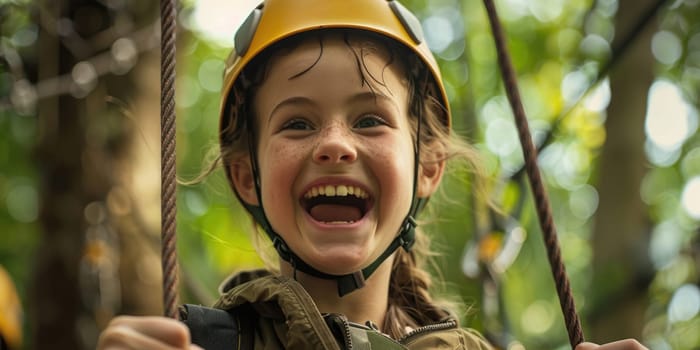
column 87, row 215
column 56, row 306
column 621, row 234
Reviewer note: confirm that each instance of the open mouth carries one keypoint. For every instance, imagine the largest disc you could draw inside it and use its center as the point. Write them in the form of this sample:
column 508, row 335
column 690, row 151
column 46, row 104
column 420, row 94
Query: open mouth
column 341, row 204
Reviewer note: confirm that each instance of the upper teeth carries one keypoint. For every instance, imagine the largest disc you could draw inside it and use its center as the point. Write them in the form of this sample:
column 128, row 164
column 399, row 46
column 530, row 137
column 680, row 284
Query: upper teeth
column 340, row 190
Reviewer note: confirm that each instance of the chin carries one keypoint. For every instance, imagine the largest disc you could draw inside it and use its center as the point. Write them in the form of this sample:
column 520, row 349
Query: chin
column 340, row 261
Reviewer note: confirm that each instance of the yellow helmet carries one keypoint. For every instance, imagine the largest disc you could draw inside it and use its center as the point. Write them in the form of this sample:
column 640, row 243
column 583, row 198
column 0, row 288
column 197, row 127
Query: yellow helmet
column 10, row 312
column 275, row 20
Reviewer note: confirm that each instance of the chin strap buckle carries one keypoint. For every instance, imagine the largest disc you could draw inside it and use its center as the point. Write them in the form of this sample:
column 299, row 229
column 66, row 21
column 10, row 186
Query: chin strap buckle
column 408, row 233
column 350, row 282
column 282, row 249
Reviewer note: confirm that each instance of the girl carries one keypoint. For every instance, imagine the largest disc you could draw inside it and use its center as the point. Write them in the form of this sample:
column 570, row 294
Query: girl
column 334, row 132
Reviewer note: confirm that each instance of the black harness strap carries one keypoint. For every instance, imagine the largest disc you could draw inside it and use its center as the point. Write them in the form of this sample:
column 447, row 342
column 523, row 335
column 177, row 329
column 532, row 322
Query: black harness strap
column 216, row 329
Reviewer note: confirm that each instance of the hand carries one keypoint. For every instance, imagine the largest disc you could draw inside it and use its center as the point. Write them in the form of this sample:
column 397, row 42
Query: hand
column 627, row 344
column 145, row 332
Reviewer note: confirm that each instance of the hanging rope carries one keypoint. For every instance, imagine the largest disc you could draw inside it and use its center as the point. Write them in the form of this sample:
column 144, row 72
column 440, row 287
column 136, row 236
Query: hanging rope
column 544, row 213
column 167, row 153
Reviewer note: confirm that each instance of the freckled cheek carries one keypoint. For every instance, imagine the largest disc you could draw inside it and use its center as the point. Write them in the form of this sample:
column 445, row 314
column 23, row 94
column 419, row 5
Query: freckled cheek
column 280, row 167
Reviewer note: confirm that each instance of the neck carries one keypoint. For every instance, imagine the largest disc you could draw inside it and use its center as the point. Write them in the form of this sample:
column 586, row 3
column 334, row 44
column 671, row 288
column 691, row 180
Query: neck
column 368, row 303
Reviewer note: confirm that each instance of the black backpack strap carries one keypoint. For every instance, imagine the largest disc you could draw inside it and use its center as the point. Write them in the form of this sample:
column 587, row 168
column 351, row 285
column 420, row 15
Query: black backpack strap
column 216, row 329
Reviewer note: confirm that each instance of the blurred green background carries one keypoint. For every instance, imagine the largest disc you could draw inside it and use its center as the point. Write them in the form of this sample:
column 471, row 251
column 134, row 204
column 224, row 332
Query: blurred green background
column 611, row 89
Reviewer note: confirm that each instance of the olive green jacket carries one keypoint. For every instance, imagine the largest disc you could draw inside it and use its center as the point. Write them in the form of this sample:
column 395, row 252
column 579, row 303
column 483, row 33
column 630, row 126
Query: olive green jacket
column 285, row 317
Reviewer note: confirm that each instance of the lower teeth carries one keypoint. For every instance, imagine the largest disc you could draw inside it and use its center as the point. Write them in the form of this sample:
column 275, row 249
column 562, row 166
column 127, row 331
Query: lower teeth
column 339, row 222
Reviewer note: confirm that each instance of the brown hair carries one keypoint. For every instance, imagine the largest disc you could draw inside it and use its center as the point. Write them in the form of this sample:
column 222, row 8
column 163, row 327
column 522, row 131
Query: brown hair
column 410, row 301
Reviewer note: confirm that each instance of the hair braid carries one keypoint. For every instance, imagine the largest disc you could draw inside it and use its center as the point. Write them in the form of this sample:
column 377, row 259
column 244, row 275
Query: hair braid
column 410, row 301
column 411, row 304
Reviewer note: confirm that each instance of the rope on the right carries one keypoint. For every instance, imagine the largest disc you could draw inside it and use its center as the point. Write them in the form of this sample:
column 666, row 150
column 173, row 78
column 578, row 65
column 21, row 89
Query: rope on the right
column 167, row 152
column 544, row 213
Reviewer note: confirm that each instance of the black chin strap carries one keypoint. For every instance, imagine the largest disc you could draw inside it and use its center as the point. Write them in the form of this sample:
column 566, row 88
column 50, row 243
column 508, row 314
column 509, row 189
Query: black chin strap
column 349, row 282
column 352, row 281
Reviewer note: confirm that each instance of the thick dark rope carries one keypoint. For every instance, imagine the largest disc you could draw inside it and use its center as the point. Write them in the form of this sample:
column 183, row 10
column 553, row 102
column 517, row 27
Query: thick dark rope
column 566, row 299
column 167, row 152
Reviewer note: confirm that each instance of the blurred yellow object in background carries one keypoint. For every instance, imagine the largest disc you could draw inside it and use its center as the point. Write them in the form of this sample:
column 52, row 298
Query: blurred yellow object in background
column 10, row 312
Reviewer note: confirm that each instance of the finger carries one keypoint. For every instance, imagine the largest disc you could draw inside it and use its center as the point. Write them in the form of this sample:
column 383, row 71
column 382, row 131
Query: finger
column 165, row 330
column 626, row 344
column 122, row 337
column 586, row 346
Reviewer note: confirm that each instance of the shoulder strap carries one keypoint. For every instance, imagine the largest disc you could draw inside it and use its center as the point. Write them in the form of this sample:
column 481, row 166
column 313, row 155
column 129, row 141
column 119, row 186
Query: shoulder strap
column 216, row 329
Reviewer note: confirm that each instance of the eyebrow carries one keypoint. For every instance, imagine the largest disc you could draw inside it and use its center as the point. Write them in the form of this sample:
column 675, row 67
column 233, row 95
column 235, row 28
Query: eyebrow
column 376, row 97
column 360, row 97
column 295, row 100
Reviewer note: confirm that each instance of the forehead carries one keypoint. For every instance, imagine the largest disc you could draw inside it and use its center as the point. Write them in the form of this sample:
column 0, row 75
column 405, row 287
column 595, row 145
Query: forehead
column 371, row 58
column 322, row 66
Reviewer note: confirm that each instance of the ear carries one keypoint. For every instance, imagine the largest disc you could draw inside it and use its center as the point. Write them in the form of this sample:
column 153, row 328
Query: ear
column 243, row 180
column 429, row 177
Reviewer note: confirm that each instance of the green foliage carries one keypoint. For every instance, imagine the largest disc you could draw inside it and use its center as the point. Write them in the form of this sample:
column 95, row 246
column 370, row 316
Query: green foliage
column 215, row 233
column 558, row 48
column 19, row 196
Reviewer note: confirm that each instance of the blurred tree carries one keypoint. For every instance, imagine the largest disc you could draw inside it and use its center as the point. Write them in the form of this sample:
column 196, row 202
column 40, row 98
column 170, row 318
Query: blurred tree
column 87, row 212
column 621, row 268
column 57, row 306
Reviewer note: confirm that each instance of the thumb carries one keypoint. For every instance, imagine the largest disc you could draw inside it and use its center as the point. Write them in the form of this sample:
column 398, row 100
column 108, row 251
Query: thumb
column 587, row 346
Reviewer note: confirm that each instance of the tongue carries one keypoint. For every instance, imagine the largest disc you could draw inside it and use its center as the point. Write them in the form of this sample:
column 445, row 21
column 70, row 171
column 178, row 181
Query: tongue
column 335, row 212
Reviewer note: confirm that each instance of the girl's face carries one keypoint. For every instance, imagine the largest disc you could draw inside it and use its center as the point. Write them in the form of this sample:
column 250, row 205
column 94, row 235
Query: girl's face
column 335, row 156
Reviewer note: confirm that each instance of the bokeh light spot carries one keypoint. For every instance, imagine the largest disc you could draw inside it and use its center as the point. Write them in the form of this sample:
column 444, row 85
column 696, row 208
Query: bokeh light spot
column 595, row 46
column 209, row 75
column 667, row 121
column 438, row 32
column 598, row 100
column 666, row 47
column 546, row 10
column 85, row 78
column 685, row 303
column 538, row 317
column 573, row 86
column 659, row 156
column 125, row 55
column 208, row 20
column 25, row 36
column 690, row 165
column 584, row 202
column 195, row 203
column 665, row 243
column 24, row 97
column 501, row 137
column 690, row 199
column 22, row 203
column 189, row 92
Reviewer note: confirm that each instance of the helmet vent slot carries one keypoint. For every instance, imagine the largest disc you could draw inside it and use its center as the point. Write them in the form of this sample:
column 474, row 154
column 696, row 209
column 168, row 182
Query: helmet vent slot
column 408, row 20
column 244, row 35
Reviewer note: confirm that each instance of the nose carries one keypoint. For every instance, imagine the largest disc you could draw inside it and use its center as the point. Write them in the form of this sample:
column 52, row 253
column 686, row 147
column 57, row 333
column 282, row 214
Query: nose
column 335, row 145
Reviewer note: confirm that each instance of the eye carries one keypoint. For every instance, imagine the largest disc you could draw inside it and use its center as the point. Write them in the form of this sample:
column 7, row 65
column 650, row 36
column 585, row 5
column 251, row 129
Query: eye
column 369, row 121
column 297, row 124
